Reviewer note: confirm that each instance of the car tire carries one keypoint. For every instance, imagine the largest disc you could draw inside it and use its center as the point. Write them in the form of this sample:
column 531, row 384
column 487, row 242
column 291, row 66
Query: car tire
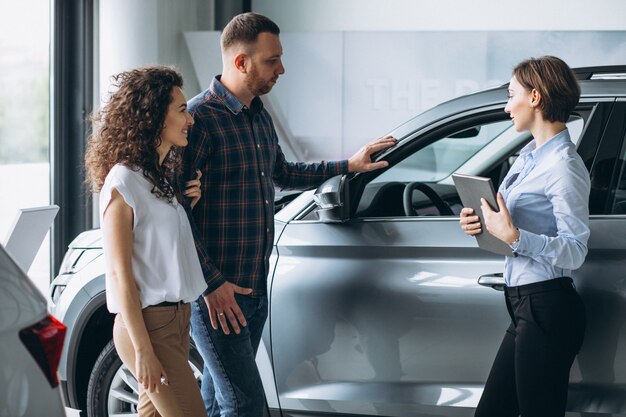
column 109, row 373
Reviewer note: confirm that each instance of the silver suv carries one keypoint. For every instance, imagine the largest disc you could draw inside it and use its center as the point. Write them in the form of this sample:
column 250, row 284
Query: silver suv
column 379, row 304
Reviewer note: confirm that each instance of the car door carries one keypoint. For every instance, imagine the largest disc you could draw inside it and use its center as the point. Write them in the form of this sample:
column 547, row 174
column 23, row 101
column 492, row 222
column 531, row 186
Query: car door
column 598, row 376
column 383, row 314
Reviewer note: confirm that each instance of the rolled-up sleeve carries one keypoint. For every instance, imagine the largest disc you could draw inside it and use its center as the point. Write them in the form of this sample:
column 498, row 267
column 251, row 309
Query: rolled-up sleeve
column 299, row 175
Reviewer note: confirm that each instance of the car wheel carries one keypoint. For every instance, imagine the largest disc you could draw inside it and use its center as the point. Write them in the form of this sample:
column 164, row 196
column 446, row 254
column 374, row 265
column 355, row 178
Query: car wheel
column 113, row 390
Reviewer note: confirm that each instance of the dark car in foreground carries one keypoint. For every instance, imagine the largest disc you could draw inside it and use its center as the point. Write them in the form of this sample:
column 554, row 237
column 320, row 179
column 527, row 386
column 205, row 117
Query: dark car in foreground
column 379, row 304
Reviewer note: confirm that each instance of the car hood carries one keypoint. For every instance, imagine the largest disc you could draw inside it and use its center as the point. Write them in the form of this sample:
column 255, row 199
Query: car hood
column 91, row 239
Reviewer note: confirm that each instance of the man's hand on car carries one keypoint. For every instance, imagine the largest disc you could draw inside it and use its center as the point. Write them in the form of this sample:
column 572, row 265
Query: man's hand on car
column 361, row 161
column 223, row 306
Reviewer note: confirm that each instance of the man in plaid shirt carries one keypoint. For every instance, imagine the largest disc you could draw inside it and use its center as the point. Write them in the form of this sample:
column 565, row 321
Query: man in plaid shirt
column 234, row 144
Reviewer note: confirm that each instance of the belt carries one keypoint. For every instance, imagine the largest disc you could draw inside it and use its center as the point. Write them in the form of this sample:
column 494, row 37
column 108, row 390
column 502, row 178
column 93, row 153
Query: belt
column 168, row 304
column 539, row 287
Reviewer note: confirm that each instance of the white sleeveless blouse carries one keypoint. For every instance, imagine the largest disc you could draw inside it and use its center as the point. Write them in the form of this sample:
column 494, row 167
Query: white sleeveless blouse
column 165, row 262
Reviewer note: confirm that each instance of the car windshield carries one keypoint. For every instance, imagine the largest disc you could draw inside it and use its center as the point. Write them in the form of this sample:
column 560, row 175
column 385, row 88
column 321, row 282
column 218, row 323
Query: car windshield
column 441, row 158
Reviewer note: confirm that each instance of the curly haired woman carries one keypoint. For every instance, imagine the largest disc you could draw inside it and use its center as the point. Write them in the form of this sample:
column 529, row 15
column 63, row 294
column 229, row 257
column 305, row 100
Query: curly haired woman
column 152, row 267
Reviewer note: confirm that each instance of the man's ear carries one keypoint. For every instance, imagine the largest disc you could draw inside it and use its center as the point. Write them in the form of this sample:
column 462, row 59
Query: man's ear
column 240, row 61
column 535, row 98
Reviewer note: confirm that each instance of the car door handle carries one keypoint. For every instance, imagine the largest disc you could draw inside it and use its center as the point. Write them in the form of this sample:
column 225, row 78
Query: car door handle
column 495, row 281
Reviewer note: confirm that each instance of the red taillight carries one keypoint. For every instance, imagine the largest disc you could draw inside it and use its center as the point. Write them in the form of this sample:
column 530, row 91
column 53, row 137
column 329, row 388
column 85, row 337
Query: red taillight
column 44, row 340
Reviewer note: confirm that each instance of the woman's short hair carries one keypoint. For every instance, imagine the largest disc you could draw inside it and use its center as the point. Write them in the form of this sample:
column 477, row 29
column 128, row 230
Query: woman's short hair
column 556, row 83
column 245, row 29
column 127, row 129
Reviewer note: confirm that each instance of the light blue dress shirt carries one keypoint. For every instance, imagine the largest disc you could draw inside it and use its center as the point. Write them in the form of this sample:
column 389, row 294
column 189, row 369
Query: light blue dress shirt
column 549, row 203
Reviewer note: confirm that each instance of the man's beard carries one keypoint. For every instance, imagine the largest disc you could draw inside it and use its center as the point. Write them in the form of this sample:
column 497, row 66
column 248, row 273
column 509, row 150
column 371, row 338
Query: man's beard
column 256, row 85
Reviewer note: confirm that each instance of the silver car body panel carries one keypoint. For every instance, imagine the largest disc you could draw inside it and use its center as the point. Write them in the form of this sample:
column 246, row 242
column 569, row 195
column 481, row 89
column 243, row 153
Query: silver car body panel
column 360, row 338
column 386, row 337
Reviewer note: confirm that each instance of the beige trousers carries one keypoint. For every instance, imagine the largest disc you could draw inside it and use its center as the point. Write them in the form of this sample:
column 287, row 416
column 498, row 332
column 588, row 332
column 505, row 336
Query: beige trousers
column 168, row 328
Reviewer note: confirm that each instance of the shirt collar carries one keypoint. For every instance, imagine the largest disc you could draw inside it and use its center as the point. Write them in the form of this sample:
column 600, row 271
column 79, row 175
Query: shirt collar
column 231, row 101
column 546, row 148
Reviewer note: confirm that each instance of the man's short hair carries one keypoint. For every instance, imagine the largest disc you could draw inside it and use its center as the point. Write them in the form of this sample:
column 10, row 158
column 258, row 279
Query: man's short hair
column 555, row 82
column 245, row 29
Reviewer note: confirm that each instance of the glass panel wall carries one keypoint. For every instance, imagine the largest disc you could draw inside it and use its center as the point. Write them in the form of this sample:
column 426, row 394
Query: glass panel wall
column 24, row 118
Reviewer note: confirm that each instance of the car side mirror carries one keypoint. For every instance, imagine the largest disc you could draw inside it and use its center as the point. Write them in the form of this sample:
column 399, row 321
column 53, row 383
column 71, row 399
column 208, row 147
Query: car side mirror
column 332, row 200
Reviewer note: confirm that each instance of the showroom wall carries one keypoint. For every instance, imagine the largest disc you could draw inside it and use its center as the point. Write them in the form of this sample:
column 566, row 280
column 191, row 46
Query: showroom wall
column 135, row 33
column 409, row 15
column 24, row 135
column 141, row 32
column 356, row 69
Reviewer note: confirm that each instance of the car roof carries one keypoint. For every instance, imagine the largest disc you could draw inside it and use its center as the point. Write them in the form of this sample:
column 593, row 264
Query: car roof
column 596, row 88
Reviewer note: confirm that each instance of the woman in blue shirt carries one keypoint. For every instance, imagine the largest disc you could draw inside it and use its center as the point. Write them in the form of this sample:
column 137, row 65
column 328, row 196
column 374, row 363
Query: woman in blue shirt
column 543, row 215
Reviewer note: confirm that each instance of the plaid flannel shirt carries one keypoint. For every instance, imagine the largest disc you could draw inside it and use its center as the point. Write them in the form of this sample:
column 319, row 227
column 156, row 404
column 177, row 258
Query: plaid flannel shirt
column 237, row 150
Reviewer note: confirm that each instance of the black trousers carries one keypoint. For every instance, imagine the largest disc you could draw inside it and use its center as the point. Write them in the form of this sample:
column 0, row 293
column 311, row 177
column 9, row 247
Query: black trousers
column 530, row 374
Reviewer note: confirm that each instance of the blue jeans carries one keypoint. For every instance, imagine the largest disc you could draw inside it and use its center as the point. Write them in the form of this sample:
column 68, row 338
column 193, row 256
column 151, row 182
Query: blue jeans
column 231, row 384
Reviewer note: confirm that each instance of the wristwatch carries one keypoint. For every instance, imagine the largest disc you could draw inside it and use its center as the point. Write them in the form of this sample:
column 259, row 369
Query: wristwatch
column 514, row 244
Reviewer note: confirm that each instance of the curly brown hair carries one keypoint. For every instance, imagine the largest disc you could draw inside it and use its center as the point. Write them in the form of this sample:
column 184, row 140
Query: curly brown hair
column 127, row 130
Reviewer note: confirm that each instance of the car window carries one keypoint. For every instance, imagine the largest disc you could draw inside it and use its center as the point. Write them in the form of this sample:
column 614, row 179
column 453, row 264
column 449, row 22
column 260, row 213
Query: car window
column 575, row 126
column 443, row 157
column 431, row 166
column 618, row 205
column 486, row 149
